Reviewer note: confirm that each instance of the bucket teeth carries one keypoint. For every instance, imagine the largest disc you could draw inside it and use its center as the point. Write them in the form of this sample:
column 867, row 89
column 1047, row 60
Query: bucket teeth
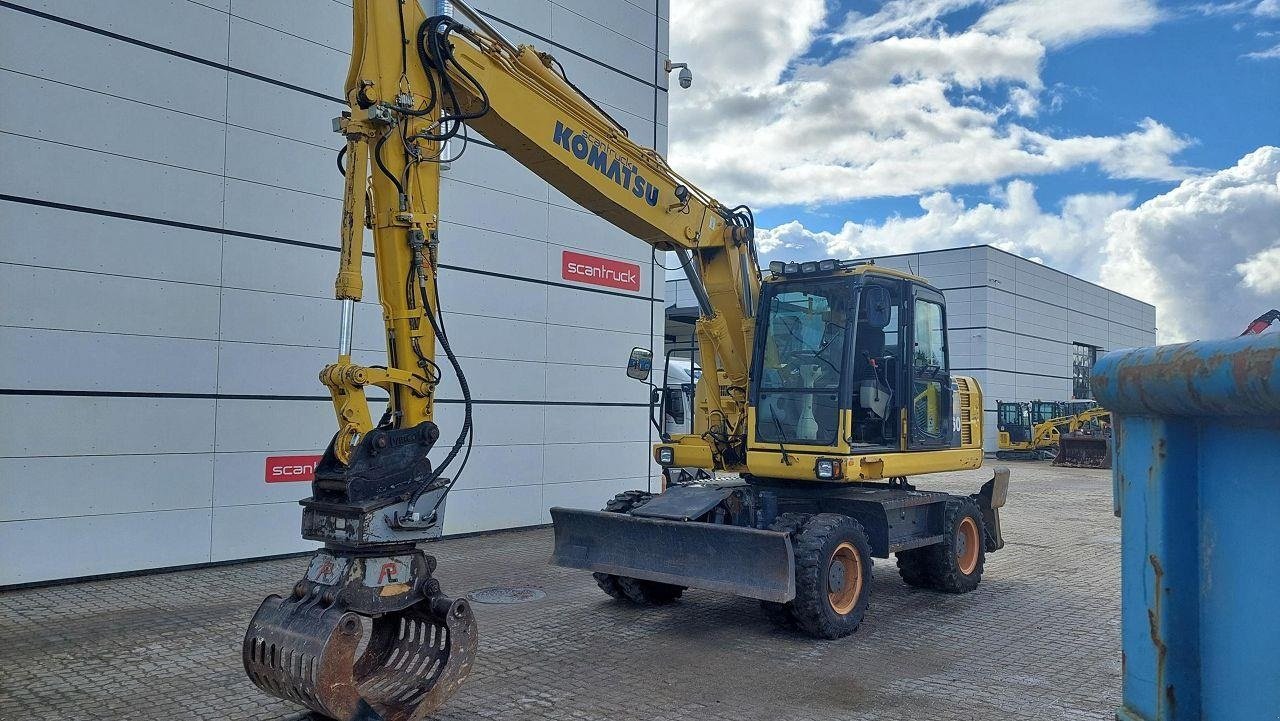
column 304, row 649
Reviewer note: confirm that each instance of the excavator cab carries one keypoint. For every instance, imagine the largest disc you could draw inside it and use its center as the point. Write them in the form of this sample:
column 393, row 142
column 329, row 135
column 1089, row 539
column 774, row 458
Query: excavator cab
column 845, row 359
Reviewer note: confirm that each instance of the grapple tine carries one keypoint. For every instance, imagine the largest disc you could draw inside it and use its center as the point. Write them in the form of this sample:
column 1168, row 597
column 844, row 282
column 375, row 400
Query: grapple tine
column 421, row 645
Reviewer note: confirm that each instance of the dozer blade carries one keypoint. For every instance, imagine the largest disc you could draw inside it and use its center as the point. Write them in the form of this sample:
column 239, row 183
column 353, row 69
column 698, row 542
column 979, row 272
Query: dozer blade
column 307, row 648
column 1083, row 450
column 742, row 561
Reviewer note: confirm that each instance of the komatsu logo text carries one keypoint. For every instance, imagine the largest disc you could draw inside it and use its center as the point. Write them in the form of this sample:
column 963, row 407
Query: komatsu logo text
column 596, row 154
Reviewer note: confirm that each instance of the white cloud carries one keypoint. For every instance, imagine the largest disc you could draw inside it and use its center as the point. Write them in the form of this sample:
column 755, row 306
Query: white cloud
column 740, row 47
column 1183, row 250
column 895, row 116
column 1015, row 222
column 898, row 17
column 1056, row 23
column 1268, row 54
column 1206, row 253
column 1267, row 9
column 1261, row 272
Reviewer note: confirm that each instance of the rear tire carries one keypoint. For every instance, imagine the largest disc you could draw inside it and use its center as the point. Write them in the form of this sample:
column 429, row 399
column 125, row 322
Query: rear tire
column 635, row 590
column 833, row 576
column 954, row 565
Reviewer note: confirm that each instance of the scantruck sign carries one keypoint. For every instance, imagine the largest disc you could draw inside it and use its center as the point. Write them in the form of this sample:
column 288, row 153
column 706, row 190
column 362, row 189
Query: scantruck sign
column 599, row 271
column 287, row 469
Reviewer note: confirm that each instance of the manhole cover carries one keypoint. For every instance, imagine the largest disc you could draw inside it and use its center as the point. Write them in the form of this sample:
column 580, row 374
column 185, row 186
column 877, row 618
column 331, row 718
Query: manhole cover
column 502, row 594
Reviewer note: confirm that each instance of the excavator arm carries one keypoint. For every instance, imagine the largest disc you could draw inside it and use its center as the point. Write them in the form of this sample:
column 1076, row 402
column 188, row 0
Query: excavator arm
column 414, row 86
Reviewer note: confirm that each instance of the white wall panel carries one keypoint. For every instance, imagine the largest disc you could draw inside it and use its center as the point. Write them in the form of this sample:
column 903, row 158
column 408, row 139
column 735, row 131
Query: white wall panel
column 56, row 238
column 573, row 462
column 325, row 23
column 260, row 530
column 625, row 18
column 492, row 379
column 486, row 509
column 77, row 425
column 483, row 295
column 68, row 360
column 282, row 213
column 493, row 252
column 494, row 169
column 273, row 425
column 475, row 205
column 176, row 24
column 259, row 317
column 239, row 479
column 71, row 300
column 273, row 54
column 611, row 48
column 261, row 106
column 493, row 466
column 86, row 545
column 121, row 126
column 591, row 346
column 58, row 486
column 481, row 337
column 254, row 264
column 535, row 17
column 283, row 163
column 277, row 370
column 55, row 51
column 136, row 187
column 586, row 424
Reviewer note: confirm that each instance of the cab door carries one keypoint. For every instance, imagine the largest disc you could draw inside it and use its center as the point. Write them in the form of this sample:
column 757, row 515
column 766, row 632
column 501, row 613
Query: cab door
column 928, row 370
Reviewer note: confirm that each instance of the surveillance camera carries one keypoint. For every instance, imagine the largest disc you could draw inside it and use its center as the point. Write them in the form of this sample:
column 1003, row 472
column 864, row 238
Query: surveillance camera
column 686, row 77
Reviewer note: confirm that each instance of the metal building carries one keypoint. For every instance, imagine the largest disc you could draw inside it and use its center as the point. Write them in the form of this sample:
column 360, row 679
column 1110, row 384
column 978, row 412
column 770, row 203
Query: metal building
column 1024, row 330
column 170, row 207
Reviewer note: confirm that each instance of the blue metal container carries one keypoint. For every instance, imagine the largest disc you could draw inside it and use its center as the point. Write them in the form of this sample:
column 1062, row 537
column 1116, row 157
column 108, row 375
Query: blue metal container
column 1197, row 486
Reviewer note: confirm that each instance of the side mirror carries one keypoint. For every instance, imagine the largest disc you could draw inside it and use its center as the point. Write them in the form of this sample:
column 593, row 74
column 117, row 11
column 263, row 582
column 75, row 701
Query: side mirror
column 640, row 364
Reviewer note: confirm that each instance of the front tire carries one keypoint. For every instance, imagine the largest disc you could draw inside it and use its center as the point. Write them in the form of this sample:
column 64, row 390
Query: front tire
column 833, row 576
column 635, row 590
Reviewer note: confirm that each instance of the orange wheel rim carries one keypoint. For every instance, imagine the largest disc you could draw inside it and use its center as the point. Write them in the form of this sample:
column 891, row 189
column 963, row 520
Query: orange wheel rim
column 967, row 546
column 844, row 578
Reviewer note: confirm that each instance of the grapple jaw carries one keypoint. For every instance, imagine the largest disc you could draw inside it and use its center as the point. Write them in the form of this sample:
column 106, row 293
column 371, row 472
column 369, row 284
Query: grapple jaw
column 307, row 648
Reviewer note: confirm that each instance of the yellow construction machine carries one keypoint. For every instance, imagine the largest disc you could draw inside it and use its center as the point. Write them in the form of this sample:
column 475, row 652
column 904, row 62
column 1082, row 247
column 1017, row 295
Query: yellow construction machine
column 825, row 385
column 1070, row 433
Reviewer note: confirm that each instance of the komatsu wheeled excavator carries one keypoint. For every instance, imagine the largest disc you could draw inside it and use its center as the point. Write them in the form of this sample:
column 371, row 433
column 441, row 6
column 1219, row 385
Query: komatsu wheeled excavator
column 825, row 385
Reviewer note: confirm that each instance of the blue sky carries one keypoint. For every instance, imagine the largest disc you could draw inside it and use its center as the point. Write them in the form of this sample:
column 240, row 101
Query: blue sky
column 1133, row 143
column 1188, row 71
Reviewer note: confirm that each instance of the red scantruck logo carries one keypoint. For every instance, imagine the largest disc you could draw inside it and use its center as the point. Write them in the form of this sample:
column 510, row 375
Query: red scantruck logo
column 289, row 469
column 600, row 271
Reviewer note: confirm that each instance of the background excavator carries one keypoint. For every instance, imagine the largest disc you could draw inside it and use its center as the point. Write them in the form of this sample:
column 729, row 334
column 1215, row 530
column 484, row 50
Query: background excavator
column 824, row 386
column 1070, row 433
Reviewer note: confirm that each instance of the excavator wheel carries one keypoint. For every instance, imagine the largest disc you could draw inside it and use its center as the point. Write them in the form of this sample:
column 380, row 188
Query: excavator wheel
column 833, row 576
column 779, row 614
column 955, row 565
column 635, row 590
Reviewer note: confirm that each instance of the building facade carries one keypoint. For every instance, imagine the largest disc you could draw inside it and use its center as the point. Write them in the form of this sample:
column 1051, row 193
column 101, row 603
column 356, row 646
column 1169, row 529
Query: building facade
column 1024, row 330
column 170, row 203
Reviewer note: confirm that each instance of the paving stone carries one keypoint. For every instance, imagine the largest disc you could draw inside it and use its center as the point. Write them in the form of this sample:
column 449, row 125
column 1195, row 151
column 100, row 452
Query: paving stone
column 1038, row 640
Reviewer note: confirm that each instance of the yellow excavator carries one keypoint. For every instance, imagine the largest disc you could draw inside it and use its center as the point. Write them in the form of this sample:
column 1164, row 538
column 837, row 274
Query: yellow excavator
column 1070, row 433
column 825, row 386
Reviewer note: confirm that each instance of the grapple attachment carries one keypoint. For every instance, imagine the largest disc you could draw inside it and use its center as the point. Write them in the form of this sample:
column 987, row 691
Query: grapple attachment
column 307, row 648
column 1083, row 450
